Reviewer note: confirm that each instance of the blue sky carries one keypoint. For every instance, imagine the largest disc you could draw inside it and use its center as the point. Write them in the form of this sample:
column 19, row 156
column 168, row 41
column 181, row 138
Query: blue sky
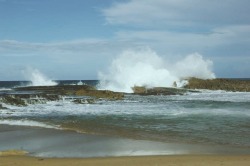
column 74, row 39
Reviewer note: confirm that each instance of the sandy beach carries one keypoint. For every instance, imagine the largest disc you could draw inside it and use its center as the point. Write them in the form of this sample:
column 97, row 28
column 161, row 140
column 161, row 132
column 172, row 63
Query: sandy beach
column 177, row 160
column 22, row 145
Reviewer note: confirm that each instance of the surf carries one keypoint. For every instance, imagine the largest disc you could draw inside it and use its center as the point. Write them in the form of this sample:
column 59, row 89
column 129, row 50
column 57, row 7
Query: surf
column 37, row 78
column 146, row 68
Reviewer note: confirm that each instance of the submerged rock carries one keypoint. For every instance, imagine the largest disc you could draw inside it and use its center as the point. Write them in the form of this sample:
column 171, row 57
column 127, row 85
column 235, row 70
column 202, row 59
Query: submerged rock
column 84, row 101
column 219, row 84
column 1, row 107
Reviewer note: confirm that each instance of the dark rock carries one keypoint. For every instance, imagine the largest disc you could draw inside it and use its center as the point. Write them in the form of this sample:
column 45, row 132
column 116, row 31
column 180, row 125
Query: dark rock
column 13, row 100
column 42, row 94
column 90, row 101
column 1, row 107
column 59, row 90
column 84, row 101
column 50, row 97
column 158, row 91
column 24, row 99
column 100, row 94
column 53, row 93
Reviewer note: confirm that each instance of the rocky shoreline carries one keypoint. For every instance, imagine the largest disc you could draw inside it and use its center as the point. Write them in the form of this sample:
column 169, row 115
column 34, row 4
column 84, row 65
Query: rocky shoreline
column 85, row 94
column 232, row 85
column 79, row 94
column 141, row 90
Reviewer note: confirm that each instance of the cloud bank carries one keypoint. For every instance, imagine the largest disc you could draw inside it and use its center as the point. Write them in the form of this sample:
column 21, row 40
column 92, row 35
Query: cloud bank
column 179, row 12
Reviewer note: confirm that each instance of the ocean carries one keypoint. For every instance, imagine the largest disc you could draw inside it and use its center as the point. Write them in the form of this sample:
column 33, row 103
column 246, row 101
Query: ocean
column 204, row 117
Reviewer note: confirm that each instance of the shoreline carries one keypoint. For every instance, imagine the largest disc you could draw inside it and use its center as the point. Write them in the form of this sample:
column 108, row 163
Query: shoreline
column 173, row 160
column 54, row 143
column 23, row 145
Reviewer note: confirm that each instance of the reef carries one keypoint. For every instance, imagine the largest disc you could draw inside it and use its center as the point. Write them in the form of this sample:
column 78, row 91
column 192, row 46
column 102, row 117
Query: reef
column 85, row 94
column 141, row 90
column 12, row 100
column 194, row 84
column 79, row 94
column 73, row 90
column 219, row 84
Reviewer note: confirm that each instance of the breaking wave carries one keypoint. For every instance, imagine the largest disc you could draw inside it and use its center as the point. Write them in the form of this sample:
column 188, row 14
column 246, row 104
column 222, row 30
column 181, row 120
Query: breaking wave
column 146, row 68
column 37, row 78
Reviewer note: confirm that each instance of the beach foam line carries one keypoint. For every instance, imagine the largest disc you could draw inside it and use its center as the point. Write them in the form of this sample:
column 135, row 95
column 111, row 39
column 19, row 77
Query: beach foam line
column 27, row 123
column 5, row 89
column 175, row 160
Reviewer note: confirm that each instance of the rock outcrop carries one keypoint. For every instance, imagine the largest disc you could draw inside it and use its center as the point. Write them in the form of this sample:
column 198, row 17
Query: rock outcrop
column 100, row 94
column 79, row 94
column 141, row 90
column 84, row 94
column 219, row 84
column 73, row 90
column 195, row 83
column 13, row 100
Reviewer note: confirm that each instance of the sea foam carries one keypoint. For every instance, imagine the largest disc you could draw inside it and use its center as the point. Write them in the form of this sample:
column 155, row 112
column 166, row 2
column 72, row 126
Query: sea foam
column 146, row 68
column 26, row 123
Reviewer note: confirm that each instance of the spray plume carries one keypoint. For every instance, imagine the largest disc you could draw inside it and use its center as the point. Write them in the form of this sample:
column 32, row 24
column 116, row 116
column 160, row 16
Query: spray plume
column 146, row 68
column 37, row 78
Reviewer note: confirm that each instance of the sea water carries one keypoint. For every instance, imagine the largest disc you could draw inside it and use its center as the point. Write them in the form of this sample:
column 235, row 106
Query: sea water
column 204, row 117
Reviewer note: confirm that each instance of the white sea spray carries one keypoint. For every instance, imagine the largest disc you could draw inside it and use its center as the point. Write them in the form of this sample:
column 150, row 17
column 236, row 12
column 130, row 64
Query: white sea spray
column 146, row 68
column 37, row 78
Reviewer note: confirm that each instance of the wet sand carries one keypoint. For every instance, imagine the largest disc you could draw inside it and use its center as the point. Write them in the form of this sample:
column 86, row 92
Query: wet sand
column 60, row 147
column 42, row 142
column 190, row 160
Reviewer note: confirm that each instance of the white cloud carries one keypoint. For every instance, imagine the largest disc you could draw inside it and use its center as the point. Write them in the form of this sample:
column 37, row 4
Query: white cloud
column 85, row 47
column 179, row 12
column 212, row 27
column 190, row 42
column 63, row 47
column 68, row 59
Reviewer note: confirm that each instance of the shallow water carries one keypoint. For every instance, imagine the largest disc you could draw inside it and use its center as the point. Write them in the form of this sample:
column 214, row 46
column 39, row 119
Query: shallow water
column 208, row 117
column 42, row 142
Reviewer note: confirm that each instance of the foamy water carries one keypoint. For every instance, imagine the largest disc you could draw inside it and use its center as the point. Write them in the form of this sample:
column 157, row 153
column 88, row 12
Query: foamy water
column 211, row 117
column 26, row 123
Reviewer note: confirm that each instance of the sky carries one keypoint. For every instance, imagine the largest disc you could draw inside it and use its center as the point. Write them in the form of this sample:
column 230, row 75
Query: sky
column 75, row 39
